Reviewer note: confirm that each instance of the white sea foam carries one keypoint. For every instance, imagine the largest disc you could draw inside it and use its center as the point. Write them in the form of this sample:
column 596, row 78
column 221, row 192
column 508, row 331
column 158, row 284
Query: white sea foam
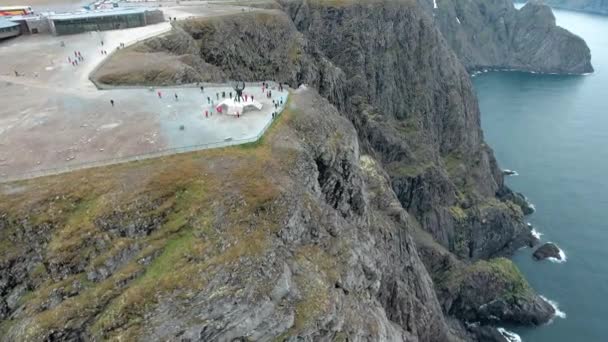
column 562, row 256
column 510, row 172
column 434, row 3
column 536, row 233
column 558, row 313
column 509, row 335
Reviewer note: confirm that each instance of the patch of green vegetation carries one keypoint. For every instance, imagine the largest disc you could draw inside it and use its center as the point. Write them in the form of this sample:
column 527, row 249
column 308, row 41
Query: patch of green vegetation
column 166, row 273
column 491, row 203
column 322, row 270
column 408, row 126
column 72, row 311
column 461, row 240
column 78, row 226
column 5, row 325
column 314, row 301
column 453, row 162
column 505, row 269
column 294, row 52
column 341, row 337
column 8, row 249
column 458, row 213
column 505, row 278
column 408, row 170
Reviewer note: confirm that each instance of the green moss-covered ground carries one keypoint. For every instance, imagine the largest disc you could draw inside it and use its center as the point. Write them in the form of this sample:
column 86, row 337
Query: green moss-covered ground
column 500, row 277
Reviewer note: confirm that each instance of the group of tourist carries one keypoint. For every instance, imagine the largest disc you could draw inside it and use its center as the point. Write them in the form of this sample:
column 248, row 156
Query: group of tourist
column 77, row 57
column 209, row 112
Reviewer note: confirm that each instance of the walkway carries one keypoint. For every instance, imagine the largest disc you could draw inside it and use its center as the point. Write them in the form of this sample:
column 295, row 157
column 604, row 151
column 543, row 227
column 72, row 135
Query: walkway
column 53, row 119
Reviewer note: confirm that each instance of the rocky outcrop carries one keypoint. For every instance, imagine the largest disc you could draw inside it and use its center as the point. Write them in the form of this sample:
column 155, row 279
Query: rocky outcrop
column 518, row 199
column 548, row 250
column 494, row 35
column 490, row 292
column 590, row 6
column 413, row 105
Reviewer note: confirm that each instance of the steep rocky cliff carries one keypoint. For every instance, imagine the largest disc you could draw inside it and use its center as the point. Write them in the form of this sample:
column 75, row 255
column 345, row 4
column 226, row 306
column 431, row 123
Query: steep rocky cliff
column 406, row 92
column 386, row 68
column 493, row 34
column 591, row 6
column 298, row 236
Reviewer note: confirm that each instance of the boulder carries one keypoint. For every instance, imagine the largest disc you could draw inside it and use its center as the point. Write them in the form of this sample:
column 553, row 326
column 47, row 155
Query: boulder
column 547, row 250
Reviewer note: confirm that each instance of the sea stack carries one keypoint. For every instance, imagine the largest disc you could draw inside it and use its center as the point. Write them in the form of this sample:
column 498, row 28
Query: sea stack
column 548, row 250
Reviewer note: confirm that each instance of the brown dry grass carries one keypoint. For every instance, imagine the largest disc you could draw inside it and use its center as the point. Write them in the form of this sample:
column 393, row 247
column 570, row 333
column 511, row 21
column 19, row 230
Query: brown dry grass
column 189, row 188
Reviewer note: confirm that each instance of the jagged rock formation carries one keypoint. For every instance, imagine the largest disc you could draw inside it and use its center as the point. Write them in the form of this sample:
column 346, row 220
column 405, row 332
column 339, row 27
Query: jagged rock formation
column 547, row 250
column 492, row 34
column 591, row 6
column 315, row 240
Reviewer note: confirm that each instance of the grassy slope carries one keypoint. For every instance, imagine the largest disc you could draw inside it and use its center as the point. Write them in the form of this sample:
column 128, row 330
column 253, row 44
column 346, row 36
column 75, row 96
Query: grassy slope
column 214, row 208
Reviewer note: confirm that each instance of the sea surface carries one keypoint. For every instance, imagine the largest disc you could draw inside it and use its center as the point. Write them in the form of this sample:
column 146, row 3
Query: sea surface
column 553, row 130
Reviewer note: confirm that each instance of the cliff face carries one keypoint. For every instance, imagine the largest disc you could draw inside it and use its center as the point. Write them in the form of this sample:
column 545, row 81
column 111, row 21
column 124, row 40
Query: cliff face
column 591, row 6
column 402, row 96
column 296, row 237
column 387, row 68
column 493, row 34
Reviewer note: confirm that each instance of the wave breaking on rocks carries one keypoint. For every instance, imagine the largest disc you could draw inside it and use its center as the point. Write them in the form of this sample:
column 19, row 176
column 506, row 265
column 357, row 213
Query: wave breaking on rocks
column 509, row 335
column 558, row 313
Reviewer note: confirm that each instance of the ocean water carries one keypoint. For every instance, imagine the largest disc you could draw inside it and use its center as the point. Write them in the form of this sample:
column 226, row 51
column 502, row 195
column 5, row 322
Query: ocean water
column 553, row 130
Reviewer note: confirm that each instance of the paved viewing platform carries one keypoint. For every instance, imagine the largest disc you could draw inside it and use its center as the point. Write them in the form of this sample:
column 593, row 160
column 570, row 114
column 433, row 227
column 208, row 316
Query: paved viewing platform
column 54, row 119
